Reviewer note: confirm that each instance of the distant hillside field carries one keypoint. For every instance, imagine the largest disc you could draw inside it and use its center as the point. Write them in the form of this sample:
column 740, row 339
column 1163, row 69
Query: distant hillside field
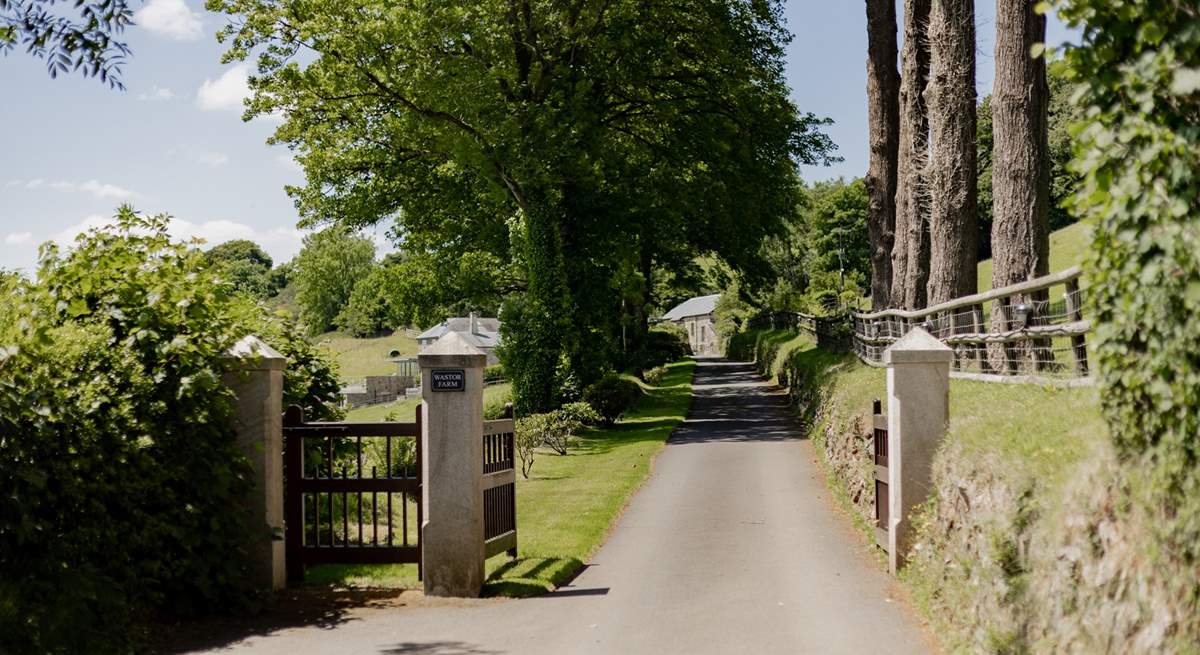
column 358, row 358
column 1067, row 248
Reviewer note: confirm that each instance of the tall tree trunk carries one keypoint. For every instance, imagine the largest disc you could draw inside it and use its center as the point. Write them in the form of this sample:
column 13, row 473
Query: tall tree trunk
column 1020, row 173
column 953, row 225
column 1021, row 176
column 883, row 111
column 910, row 254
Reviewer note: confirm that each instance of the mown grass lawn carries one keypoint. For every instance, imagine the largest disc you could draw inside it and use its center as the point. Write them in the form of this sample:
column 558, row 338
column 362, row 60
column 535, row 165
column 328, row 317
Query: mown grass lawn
column 569, row 502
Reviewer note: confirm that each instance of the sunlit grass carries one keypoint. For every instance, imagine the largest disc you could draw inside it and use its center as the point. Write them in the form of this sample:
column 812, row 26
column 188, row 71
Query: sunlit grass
column 359, row 357
column 569, row 502
column 1068, row 247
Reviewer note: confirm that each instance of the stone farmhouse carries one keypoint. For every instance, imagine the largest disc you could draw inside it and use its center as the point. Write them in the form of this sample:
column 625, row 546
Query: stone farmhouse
column 696, row 316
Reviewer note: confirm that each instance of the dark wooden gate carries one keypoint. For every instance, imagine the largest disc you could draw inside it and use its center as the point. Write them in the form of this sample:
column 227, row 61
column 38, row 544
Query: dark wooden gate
column 879, row 422
column 352, row 493
column 499, row 489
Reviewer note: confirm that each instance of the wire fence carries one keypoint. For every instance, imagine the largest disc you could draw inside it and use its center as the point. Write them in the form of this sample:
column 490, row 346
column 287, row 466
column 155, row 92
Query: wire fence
column 1034, row 331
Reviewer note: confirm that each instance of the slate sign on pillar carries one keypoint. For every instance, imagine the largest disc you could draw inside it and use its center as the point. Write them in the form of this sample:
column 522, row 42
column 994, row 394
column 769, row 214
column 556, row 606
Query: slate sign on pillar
column 448, row 379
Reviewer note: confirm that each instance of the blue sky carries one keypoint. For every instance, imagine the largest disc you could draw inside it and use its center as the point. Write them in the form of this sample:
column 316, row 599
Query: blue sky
column 174, row 141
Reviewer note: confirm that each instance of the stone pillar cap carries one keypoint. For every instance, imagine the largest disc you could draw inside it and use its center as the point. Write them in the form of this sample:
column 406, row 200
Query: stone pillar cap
column 917, row 347
column 251, row 349
column 452, row 349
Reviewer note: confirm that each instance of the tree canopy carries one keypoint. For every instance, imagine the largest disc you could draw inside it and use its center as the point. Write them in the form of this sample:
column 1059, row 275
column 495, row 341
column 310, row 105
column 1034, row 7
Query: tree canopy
column 327, row 269
column 570, row 146
column 247, row 266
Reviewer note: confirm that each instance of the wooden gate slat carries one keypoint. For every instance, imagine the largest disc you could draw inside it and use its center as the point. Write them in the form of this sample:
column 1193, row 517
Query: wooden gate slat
column 298, row 488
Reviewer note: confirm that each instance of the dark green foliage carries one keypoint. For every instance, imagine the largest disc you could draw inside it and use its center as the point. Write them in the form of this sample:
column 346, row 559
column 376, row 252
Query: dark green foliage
column 1138, row 154
column 122, row 483
column 327, row 269
column 663, row 345
column 548, row 156
column 80, row 38
column 822, row 261
column 611, row 396
column 247, row 267
column 515, row 353
column 493, row 373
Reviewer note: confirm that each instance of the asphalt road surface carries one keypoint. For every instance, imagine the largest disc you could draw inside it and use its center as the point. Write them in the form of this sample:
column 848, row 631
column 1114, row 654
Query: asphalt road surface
column 732, row 546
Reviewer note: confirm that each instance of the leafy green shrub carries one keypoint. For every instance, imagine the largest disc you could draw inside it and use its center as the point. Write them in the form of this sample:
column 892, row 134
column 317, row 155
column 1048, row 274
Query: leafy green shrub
column 494, row 373
column 655, row 375
column 123, row 487
column 663, row 344
column 581, row 413
column 1138, row 154
column 611, row 396
column 555, row 430
column 529, row 433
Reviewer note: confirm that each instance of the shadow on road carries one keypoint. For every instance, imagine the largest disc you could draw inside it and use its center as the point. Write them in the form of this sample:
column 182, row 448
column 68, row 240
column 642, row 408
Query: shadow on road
column 436, row 648
column 731, row 405
column 312, row 606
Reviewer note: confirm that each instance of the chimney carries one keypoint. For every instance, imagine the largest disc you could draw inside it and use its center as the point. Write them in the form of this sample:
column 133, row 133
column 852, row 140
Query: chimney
column 474, row 323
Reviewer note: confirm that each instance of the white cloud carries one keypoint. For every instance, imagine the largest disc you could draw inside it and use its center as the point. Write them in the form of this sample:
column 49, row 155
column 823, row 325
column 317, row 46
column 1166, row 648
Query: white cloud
column 18, row 238
column 66, row 236
column 281, row 243
column 102, row 190
column 157, row 94
column 170, row 18
column 212, row 158
column 226, row 92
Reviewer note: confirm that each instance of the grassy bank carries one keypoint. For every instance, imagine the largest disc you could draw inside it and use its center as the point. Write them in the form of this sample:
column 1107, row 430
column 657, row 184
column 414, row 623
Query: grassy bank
column 569, row 502
column 1068, row 247
column 359, row 357
column 1006, row 479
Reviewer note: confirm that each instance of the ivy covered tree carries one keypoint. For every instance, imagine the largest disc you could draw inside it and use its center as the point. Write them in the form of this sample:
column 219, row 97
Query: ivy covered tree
column 577, row 144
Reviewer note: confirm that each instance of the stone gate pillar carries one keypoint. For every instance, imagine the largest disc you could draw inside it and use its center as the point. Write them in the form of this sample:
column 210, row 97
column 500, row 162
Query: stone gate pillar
column 452, row 473
column 918, row 389
column 256, row 379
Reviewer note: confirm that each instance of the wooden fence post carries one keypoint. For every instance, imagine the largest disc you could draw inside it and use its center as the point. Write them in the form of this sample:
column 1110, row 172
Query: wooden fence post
column 918, row 388
column 256, row 379
column 1075, row 313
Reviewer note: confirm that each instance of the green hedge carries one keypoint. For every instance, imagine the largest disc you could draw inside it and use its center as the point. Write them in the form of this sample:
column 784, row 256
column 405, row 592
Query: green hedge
column 1138, row 155
column 122, row 485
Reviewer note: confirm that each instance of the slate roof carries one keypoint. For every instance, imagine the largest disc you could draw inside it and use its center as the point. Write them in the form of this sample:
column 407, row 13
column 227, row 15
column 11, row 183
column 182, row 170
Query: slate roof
column 487, row 334
column 698, row 306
